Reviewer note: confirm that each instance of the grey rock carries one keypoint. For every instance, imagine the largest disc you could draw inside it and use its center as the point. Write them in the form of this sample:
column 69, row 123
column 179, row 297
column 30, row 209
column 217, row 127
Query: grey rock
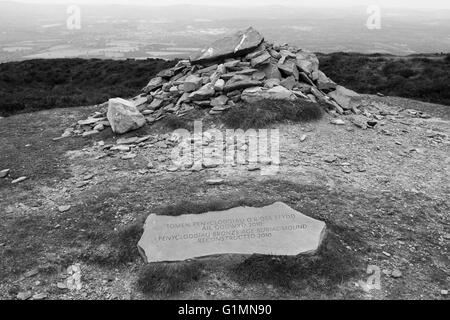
column 235, row 45
column 271, row 71
column 396, row 274
column 338, row 122
column 219, row 85
column 231, row 63
column 289, row 83
column 289, row 68
column 300, row 94
column 256, row 94
column 346, row 170
column 4, row 173
column 298, row 234
column 82, row 184
column 167, row 73
column 344, row 97
column 237, row 78
column 90, row 121
column 88, row 177
column 147, row 112
column 275, row 54
column 312, row 98
column 154, row 83
column 203, row 104
column 208, row 70
column 219, row 101
column 307, row 62
column 64, row 208
column 156, row 104
column 330, row 159
column 18, row 180
column 128, row 156
column 99, row 127
column 259, row 76
column 122, row 148
column 89, row 133
column 24, row 295
column 325, row 83
column 257, row 52
column 171, row 108
column 270, row 83
column 127, row 140
column 239, row 85
column 205, row 92
column 124, row 116
column 359, row 121
column 192, row 83
column 39, row 296
column 260, row 59
column 172, row 169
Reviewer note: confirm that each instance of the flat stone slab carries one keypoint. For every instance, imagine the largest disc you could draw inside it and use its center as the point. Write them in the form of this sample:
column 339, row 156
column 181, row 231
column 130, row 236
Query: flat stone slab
column 231, row 46
column 273, row 230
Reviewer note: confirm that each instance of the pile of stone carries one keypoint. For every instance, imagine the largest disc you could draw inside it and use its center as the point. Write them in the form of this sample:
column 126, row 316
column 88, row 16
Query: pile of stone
column 239, row 68
column 244, row 67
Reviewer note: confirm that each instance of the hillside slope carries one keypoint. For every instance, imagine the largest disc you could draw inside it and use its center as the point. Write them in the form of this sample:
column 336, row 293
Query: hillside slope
column 383, row 193
column 44, row 84
column 422, row 77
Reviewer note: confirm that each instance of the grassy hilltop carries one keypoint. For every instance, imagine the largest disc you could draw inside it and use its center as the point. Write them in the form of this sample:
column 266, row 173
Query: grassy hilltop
column 425, row 78
column 45, row 84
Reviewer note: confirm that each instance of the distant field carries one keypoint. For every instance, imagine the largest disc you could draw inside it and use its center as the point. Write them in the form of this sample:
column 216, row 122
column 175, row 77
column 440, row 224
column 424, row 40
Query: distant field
column 45, row 84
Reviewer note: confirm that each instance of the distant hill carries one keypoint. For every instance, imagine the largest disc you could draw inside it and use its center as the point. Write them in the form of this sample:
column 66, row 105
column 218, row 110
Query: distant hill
column 421, row 77
column 44, row 84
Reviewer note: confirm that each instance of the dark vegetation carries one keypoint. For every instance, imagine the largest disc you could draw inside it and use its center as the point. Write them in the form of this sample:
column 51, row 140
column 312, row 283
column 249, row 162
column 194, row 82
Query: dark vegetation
column 45, row 84
column 324, row 271
column 191, row 207
column 416, row 77
column 173, row 122
column 168, row 278
column 268, row 112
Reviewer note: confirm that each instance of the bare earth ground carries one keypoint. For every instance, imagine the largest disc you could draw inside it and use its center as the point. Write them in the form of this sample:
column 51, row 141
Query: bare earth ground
column 383, row 192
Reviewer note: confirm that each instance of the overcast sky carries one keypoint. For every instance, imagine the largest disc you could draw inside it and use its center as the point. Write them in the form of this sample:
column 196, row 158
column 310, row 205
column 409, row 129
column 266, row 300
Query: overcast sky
column 432, row 4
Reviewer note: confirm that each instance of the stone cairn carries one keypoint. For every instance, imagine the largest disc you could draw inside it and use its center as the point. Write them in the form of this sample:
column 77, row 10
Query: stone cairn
column 239, row 68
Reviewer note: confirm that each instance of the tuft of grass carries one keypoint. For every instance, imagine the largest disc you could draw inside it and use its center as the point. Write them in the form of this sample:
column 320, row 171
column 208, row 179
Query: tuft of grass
column 323, row 271
column 115, row 248
column 268, row 112
column 168, row 278
column 173, row 122
column 125, row 243
column 189, row 207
